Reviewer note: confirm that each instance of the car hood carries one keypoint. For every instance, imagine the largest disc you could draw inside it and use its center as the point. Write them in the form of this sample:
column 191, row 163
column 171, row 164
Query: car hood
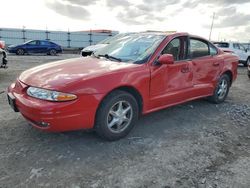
column 58, row 75
column 93, row 48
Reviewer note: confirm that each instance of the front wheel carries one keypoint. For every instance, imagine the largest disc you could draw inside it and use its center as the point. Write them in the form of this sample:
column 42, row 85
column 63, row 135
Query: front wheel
column 247, row 62
column 20, row 51
column 116, row 115
column 221, row 90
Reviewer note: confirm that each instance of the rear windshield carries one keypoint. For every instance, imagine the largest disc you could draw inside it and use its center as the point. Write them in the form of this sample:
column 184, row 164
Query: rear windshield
column 221, row 44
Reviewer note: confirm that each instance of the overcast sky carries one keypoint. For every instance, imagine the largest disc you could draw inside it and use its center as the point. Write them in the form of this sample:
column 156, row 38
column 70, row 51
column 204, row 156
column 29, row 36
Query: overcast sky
column 232, row 17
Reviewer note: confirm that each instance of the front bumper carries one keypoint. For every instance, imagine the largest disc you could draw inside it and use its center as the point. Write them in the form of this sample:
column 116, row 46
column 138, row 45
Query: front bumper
column 55, row 116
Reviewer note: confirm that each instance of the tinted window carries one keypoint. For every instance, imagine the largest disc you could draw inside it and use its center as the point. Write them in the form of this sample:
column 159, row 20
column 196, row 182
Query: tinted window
column 213, row 50
column 44, row 43
column 34, row 42
column 236, row 46
column 51, row 43
column 242, row 47
column 221, row 44
column 178, row 48
column 174, row 48
column 198, row 48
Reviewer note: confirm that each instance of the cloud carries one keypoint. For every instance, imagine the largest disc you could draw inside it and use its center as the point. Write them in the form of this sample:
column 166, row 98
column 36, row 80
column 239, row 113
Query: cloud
column 234, row 20
column 222, row 3
column 160, row 4
column 226, row 11
column 69, row 10
column 81, row 2
column 139, row 15
column 116, row 3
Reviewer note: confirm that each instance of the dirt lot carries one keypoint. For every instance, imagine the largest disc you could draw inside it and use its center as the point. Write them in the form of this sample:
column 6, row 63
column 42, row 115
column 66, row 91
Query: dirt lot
column 196, row 144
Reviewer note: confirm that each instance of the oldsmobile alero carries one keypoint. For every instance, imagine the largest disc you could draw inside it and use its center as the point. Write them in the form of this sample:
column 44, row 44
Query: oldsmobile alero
column 138, row 74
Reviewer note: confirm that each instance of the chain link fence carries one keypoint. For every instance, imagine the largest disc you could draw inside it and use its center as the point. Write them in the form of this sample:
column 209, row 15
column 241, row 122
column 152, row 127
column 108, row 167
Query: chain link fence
column 79, row 39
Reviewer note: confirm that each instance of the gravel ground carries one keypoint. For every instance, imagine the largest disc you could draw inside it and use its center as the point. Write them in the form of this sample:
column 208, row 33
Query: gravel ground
column 197, row 144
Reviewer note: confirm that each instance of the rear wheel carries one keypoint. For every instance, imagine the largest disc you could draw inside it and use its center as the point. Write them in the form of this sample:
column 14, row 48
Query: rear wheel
column 116, row 115
column 52, row 52
column 221, row 90
column 20, row 51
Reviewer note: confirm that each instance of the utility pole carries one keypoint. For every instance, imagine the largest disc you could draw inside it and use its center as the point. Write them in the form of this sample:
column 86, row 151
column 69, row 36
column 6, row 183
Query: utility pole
column 212, row 25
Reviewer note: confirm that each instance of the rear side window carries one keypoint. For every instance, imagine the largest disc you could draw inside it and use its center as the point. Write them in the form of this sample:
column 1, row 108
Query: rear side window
column 198, row 48
column 44, row 43
column 221, row 44
column 51, row 43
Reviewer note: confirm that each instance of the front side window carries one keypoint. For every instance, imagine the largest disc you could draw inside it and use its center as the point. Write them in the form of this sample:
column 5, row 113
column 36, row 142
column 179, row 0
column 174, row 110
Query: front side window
column 131, row 48
column 198, row 48
column 242, row 47
column 174, row 48
column 34, row 42
column 212, row 49
column 236, row 46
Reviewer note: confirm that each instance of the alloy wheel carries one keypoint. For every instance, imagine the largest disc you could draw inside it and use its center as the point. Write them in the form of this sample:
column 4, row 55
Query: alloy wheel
column 119, row 116
column 222, row 90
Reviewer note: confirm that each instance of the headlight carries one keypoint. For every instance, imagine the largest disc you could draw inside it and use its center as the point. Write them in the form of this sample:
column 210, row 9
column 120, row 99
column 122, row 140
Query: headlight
column 49, row 95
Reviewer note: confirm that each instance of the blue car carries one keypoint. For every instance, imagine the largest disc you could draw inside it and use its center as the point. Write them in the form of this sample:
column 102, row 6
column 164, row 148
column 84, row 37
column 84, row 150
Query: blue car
column 35, row 46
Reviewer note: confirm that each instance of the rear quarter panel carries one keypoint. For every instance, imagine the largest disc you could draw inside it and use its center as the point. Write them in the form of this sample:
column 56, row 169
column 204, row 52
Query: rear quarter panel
column 230, row 64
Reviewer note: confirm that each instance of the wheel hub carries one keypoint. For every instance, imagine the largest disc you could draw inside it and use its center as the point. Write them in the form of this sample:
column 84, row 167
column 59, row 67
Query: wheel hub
column 119, row 116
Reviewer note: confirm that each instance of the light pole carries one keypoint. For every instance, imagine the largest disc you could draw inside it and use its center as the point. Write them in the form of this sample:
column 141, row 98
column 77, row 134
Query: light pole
column 212, row 25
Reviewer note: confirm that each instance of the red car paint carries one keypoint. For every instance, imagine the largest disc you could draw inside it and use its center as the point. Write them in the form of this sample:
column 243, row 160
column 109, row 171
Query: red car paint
column 91, row 79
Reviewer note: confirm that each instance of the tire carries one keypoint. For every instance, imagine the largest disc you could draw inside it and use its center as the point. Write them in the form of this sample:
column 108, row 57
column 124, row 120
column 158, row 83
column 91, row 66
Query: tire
column 20, row 51
column 116, row 115
column 247, row 62
column 52, row 52
column 221, row 90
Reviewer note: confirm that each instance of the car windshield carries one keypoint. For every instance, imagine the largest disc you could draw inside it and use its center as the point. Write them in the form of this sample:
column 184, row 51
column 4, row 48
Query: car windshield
column 131, row 48
column 108, row 40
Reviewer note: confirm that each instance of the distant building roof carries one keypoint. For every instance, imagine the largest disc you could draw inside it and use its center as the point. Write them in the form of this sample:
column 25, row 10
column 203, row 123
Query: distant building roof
column 98, row 31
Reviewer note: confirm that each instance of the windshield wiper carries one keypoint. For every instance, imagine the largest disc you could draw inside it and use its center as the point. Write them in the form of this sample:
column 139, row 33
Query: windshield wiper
column 110, row 57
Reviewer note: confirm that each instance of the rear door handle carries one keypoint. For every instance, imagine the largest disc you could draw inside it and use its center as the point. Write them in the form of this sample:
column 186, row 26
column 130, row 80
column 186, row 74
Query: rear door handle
column 216, row 64
column 185, row 70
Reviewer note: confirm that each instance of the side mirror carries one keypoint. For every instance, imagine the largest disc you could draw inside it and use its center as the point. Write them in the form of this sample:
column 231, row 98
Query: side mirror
column 167, row 59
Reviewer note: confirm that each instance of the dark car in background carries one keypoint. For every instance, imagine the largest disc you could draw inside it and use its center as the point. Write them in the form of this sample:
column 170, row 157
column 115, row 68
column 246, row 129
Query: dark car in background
column 35, row 46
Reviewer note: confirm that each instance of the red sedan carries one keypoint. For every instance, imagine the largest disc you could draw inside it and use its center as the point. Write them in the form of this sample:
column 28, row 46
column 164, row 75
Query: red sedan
column 139, row 74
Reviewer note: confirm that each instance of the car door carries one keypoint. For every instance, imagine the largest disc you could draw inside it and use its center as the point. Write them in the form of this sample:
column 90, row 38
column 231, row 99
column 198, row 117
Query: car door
column 244, row 52
column 30, row 47
column 171, row 84
column 44, row 46
column 240, row 51
column 207, row 65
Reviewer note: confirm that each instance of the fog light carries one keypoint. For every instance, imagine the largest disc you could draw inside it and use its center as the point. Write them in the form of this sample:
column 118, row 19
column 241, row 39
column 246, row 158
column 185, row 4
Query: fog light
column 42, row 124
